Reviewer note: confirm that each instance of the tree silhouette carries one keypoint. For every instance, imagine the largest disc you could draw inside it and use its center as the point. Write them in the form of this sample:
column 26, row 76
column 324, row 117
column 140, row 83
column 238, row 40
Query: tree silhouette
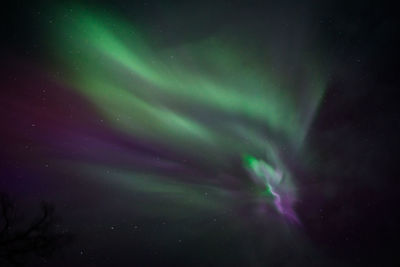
column 20, row 241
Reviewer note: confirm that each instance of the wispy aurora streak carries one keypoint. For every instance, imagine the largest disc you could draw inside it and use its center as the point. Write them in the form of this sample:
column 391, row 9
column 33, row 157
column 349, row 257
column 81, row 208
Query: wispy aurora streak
column 272, row 179
column 199, row 100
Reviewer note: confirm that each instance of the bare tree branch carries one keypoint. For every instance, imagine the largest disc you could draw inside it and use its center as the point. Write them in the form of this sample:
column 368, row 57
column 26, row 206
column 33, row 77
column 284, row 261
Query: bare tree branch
column 19, row 242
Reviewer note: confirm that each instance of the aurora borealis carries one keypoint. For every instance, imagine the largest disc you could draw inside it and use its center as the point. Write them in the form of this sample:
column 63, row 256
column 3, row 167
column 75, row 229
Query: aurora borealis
column 200, row 134
column 166, row 97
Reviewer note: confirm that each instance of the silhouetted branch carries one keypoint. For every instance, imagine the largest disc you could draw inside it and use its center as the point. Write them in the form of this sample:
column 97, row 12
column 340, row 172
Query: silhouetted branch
column 37, row 238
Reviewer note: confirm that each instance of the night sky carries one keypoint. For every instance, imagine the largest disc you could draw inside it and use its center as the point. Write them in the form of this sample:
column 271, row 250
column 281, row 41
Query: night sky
column 204, row 133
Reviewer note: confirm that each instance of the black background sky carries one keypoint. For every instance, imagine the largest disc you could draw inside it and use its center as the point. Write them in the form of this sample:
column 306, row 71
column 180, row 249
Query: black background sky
column 355, row 131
